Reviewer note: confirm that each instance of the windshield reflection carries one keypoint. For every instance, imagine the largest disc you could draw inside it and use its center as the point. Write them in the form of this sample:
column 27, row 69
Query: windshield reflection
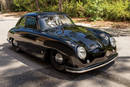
column 53, row 21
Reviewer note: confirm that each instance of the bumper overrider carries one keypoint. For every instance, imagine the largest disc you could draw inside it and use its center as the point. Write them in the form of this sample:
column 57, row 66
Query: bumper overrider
column 110, row 59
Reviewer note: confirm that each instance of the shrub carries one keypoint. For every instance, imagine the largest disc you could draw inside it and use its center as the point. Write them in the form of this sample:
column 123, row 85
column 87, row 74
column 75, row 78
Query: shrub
column 74, row 9
column 94, row 9
column 118, row 10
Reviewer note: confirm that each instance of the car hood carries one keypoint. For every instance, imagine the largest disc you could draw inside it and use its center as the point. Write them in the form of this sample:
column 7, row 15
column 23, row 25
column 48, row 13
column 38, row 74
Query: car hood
column 78, row 35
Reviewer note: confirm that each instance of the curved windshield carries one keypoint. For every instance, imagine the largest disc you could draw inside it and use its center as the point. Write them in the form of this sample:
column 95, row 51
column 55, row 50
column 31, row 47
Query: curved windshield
column 52, row 21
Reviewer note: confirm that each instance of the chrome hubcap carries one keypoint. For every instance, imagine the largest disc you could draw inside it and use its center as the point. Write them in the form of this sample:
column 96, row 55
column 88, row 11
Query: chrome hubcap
column 59, row 58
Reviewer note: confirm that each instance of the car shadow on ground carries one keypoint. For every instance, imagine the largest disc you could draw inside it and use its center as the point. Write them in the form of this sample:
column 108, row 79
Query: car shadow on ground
column 48, row 75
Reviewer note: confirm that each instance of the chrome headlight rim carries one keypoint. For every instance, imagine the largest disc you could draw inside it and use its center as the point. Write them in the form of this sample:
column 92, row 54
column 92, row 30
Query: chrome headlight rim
column 112, row 41
column 81, row 52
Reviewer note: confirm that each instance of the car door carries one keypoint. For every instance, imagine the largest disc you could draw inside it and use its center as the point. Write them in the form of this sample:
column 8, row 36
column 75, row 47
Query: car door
column 27, row 35
column 18, row 30
column 31, row 37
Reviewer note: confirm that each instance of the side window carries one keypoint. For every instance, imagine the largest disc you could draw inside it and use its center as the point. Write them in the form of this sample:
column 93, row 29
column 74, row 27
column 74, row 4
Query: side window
column 31, row 22
column 21, row 22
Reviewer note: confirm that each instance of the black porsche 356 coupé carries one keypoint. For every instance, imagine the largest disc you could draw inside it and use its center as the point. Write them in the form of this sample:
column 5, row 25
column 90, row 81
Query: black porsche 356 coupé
column 69, row 47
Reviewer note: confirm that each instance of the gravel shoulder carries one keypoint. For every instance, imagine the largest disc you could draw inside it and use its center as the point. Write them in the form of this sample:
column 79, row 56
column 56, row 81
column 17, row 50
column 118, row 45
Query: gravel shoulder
column 113, row 31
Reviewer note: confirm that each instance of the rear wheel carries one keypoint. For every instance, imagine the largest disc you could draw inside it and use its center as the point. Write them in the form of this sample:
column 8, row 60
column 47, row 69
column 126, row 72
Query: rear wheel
column 15, row 45
column 57, row 61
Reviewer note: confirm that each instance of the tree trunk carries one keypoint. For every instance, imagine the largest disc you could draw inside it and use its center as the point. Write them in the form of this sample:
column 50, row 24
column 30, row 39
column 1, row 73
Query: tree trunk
column 60, row 5
column 6, row 5
column 3, row 5
column 37, row 5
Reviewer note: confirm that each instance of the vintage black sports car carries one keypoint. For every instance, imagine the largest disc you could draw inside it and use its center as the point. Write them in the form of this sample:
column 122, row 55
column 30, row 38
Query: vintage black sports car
column 69, row 47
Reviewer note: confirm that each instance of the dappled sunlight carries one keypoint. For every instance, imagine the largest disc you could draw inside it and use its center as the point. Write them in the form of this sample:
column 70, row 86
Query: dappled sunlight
column 14, row 64
column 121, row 68
column 23, row 66
column 123, row 46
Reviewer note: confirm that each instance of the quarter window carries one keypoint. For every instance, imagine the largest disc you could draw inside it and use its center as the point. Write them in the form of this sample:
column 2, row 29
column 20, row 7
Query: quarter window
column 31, row 22
column 21, row 23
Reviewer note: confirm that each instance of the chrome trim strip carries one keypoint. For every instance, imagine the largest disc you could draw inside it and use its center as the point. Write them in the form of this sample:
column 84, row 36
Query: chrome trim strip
column 72, row 71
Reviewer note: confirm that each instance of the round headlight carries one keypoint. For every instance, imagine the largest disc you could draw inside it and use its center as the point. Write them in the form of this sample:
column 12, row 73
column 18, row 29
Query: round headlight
column 81, row 52
column 112, row 41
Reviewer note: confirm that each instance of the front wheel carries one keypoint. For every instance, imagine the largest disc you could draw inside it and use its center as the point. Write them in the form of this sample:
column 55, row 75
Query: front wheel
column 57, row 61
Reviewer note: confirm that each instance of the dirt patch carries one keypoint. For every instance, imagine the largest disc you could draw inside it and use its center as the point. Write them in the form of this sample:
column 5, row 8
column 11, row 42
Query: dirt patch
column 13, row 14
column 110, row 24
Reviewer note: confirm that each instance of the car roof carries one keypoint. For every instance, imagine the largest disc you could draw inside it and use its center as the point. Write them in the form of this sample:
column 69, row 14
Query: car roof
column 42, row 13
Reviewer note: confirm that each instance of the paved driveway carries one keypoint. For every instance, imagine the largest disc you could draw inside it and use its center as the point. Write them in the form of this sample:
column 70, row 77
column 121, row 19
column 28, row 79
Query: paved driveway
column 23, row 70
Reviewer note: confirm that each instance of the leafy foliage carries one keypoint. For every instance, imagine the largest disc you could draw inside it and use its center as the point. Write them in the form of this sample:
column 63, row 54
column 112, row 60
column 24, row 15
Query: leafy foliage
column 118, row 10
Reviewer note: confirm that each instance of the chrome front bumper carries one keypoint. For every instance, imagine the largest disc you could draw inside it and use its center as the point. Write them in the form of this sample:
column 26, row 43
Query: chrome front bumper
column 93, row 66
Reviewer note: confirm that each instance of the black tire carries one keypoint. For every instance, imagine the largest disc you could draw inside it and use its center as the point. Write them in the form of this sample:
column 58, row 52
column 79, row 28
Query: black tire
column 16, row 47
column 55, row 64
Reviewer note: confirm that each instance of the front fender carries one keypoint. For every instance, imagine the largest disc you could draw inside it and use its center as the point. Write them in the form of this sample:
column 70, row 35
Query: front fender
column 61, row 47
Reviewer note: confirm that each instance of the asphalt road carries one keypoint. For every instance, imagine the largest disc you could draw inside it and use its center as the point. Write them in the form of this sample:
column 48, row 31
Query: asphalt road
column 23, row 70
